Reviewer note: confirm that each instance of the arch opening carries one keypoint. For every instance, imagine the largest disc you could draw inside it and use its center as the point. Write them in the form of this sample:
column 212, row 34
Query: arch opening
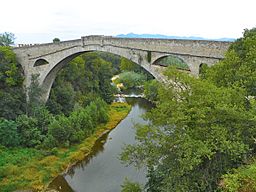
column 67, row 59
column 171, row 60
column 40, row 62
column 202, row 68
column 51, row 75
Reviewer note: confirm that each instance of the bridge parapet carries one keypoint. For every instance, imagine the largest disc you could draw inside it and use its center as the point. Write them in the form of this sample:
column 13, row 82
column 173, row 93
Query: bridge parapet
column 200, row 48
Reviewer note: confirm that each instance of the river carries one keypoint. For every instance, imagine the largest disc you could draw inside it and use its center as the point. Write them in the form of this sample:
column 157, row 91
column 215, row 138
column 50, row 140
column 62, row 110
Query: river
column 102, row 171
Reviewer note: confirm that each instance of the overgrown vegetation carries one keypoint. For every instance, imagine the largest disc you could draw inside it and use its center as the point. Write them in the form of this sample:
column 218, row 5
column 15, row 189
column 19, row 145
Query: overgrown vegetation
column 202, row 129
column 84, row 79
column 39, row 141
column 30, row 168
column 132, row 75
column 201, row 135
column 129, row 186
column 12, row 96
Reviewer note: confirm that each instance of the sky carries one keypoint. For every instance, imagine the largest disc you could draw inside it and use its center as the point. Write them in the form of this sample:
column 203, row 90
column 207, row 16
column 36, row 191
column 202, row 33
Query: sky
column 35, row 21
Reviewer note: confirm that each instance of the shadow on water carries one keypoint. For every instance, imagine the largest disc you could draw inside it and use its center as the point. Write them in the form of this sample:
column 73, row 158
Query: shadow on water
column 62, row 186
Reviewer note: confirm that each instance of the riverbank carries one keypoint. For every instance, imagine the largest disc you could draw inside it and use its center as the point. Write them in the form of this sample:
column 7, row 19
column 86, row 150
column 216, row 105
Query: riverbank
column 35, row 169
column 103, row 170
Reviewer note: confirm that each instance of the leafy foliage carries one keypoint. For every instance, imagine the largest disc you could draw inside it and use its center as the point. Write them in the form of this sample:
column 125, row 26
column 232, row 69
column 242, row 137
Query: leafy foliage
column 29, row 132
column 64, row 131
column 151, row 90
column 131, row 79
column 202, row 128
column 129, row 66
column 198, row 132
column 129, row 186
column 12, row 96
column 29, row 168
column 172, row 61
column 84, row 79
column 56, row 40
column 76, row 100
column 6, row 39
column 239, row 66
column 8, row 133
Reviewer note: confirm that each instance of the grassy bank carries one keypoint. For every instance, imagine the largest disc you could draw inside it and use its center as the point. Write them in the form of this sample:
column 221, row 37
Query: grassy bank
column 27, row 168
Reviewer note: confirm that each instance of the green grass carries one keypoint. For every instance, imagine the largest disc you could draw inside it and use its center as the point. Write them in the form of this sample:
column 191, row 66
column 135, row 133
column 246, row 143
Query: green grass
column 27, row 168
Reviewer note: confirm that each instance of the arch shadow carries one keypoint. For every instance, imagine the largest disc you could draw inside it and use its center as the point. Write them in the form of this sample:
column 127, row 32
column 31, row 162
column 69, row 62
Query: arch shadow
column 40, row 62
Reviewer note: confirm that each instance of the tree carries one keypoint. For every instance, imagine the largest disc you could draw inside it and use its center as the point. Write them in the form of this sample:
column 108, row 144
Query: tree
column 10, row 71
column 172, row 61
column 85, row 78
column 131, row 79
column 8, row 133
column 62, row 99
column 151, row 90
column 129, row 186
column 127, row 65
column 60, row 130
column 12, row 102
column 6, row 39
column 12, row 96
column 238, row 66
column 56, row 40
column 197, row 132
column 29, row 132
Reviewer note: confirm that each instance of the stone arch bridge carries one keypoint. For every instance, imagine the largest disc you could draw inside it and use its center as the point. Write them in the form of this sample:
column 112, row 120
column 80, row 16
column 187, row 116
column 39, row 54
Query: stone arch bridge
column 46, row 60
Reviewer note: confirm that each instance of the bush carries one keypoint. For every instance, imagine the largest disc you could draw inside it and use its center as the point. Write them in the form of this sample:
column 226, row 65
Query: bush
column 8, row 133
column 81, row 123
column 30, row 134
column 60, row 130
column 129, row 186
column 131, row 79
column 82, row 120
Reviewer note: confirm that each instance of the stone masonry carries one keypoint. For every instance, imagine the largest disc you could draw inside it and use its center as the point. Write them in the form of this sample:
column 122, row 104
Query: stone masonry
column 144, row 52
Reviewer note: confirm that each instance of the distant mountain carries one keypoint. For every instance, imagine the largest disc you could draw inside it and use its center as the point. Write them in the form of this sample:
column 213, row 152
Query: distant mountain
column 158, row 36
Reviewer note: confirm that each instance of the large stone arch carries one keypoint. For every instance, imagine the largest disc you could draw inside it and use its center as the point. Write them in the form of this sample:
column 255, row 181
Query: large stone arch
column 50, row 71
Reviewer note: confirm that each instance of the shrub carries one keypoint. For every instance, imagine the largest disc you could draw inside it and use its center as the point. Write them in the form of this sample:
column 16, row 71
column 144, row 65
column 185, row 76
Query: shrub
column 8, row 133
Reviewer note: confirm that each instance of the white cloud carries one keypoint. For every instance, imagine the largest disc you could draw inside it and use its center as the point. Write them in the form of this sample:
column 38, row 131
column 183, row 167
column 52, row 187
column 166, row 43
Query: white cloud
column 41, row 21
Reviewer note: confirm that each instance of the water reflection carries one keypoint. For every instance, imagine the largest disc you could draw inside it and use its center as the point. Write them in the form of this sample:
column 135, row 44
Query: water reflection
column 96, row 150
column 102, row 171
column 62, row 185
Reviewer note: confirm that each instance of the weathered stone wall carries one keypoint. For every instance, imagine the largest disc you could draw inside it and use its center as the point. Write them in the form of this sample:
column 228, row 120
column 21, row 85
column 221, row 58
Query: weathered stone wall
column 201, row 48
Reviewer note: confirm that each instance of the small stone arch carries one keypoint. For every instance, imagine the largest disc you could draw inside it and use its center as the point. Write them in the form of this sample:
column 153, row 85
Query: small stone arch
column 201, row 67
column 184, row 65
column 40, row 62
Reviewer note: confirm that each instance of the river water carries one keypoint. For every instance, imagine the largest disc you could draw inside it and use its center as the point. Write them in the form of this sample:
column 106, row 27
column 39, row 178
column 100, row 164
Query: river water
column 103, row 171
